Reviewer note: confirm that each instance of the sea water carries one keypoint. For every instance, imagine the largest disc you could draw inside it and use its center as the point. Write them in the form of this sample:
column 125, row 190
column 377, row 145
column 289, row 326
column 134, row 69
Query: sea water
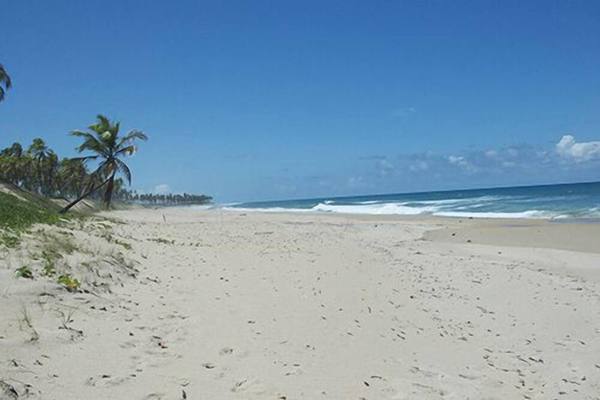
column 562, row 201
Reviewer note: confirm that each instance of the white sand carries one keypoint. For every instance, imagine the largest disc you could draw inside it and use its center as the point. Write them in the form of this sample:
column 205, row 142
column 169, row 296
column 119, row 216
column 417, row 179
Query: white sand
column 279, row 306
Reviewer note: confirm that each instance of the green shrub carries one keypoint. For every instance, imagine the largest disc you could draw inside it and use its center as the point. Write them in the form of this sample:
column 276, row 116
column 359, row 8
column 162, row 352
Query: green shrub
column 70, row 283
column 49, row 269
column 24, row 272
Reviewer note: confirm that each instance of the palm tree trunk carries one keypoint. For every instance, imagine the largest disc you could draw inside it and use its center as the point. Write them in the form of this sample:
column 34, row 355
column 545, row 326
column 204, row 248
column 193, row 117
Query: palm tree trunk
column 83, row 196
column 109, row 191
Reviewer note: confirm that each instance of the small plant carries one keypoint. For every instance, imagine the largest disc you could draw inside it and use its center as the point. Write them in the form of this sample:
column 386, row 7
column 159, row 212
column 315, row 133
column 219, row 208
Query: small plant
column 24, row 272
column 9, row 240
column 27, row 321
column 49, row 269
column 162, row 241
column 66, row 318
column 125, row 245
column 70, row 283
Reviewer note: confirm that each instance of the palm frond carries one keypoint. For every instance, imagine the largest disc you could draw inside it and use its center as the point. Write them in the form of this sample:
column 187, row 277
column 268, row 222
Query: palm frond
column 128, row 150
column 86, row 135
column 4, row 80
column 84, row 159
column 124, row 170
column 4, row 77
column 101, row 126
column 104, row 121
column 91, row 143
column 105, row 168
column 132, row 135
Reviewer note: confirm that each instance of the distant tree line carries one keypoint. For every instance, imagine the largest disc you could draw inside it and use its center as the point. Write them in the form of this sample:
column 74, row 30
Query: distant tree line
column 170, row 199
column 37, row 168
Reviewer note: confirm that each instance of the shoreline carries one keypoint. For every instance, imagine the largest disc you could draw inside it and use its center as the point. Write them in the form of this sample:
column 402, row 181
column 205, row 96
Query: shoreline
column 581, row 235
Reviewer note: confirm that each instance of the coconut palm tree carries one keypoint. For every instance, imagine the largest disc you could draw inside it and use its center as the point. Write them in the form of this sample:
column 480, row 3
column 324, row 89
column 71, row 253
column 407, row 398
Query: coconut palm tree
column 103, row 140
column 5, row 82
column 11, row 164
column 40, row 153
column 72, row 177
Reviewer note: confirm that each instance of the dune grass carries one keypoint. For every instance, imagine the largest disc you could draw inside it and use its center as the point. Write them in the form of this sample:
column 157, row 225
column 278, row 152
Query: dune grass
column 17, row 215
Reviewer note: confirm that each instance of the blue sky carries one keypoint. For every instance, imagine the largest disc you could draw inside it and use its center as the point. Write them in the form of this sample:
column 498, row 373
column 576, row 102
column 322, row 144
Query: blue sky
column 251, row 100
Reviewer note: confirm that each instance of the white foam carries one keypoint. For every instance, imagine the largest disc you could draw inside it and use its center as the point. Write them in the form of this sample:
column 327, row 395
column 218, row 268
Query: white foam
column 202, row 207
column 268, row 209
column 397, row 209
column 374, row 209
column 458, row 208
column 524, row 214
column 467, row 200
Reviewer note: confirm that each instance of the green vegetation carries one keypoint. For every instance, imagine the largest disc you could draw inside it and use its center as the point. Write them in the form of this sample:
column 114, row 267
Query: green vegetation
column 49, row 269
column 38, row 169
column 5, row 82
column 70, row 283
column 108, row 148
column 24, row 272
column 18, row 214
column 125, row 245
column 170, row 199
column 162, row 241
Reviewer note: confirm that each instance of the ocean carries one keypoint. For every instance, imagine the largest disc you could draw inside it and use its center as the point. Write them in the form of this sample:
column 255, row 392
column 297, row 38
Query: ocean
column 563, row 201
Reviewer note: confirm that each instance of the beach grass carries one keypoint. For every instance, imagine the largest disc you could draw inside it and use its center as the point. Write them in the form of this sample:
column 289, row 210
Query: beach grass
column 18, row 214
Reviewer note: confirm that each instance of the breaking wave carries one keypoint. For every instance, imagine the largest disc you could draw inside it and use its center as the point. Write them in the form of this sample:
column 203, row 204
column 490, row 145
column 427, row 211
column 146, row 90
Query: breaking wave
column 547, row 202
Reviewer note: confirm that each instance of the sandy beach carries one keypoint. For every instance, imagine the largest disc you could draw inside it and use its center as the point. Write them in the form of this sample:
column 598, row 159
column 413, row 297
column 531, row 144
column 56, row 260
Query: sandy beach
column 184, row 304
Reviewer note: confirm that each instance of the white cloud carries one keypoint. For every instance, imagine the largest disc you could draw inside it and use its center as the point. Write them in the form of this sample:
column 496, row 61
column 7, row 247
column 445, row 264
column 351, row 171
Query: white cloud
column 163, row 188
column 462, row 162
column 568, row 148
column 491, row 154
column 457, row 160
column 419, row 165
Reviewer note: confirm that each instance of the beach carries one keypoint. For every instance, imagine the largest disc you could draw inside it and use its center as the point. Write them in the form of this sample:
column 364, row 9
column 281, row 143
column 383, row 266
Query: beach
column 215, row 304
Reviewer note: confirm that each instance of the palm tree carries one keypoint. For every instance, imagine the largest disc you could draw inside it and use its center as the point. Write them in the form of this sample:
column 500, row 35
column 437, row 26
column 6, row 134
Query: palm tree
column 10, row 163
column 108, row 147
column 72, row 176
column 5, row 82
column 39, row 152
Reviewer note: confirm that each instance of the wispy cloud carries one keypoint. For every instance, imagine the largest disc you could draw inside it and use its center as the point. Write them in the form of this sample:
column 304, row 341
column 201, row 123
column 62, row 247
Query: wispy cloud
column 568, row 160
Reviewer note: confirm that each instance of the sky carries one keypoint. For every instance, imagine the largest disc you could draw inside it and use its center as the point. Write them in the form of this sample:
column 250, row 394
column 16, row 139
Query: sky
column 259, row 100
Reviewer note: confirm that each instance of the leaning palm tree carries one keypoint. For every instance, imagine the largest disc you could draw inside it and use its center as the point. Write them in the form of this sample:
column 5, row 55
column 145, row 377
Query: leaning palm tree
column 5, row 82
column 103, row 140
